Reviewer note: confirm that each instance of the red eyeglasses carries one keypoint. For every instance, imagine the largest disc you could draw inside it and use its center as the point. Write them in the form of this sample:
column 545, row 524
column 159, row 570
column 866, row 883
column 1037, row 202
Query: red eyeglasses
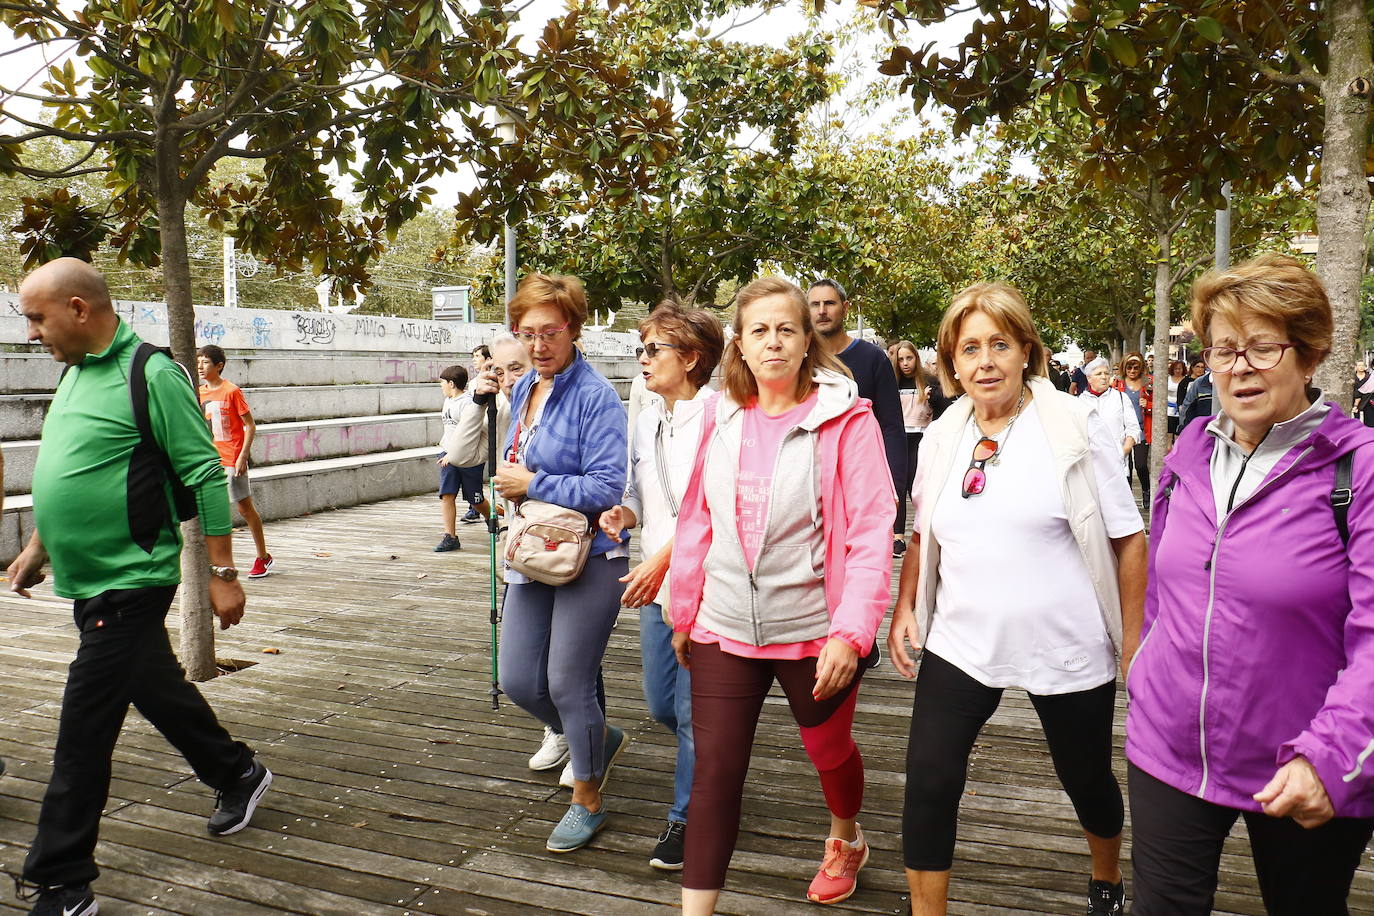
column 975, row 478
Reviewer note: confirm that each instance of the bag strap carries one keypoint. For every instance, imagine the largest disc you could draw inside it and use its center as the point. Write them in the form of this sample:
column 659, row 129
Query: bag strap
column 138, row 399
column 1342, row 495
column 662, row 463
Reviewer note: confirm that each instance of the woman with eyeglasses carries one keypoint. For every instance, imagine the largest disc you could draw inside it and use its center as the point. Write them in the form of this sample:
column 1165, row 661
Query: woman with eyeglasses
column 1252, row 695
column 1027, row 553
column 681, row 349
column 781, row 571
column 566, row 445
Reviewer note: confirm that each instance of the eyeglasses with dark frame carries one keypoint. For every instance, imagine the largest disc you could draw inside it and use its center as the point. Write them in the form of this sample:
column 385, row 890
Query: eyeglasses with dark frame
column 975, row 478
column 653, row 348
column 1259, row 356
column 546, row 336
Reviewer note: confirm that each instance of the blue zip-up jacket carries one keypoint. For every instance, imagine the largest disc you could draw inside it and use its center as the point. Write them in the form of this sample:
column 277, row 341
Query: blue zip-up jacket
column 579, row 451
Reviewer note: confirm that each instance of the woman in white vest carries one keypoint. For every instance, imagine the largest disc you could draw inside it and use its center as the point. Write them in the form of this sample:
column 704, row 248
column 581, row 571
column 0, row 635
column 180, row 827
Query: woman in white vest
column 1027, row 551
column 1115, row 409
column 681, row 348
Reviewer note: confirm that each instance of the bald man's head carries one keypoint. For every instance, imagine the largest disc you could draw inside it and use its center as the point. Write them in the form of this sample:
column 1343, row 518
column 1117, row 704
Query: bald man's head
column 68, row 308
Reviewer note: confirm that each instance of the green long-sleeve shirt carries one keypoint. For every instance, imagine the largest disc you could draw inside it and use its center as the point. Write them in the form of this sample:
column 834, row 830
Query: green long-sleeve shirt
column 81, row 480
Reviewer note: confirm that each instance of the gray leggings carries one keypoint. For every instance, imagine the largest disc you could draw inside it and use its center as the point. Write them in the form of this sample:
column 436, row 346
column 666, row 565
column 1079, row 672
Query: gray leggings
column 552, row 641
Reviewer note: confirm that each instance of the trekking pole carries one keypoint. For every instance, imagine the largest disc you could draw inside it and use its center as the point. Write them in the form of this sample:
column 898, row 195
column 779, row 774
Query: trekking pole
column 493, row 528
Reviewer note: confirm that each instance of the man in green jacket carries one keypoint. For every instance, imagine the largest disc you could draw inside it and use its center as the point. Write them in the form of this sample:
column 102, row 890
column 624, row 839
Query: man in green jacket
column 102, row 510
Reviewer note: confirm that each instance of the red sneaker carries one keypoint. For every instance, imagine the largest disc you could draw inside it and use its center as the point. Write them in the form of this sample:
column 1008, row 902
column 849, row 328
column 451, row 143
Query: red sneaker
column 839, row 874
column 261, row 567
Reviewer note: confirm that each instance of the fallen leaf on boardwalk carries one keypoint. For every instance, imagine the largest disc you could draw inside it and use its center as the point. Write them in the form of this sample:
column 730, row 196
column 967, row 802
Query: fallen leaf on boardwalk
column 441, row 741
column 423, row 576
column 341, row 687
column 393, row 557
column 323, row 553
column 271, row 651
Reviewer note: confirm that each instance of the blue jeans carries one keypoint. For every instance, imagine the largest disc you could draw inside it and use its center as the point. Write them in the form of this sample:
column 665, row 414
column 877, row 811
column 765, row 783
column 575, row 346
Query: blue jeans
column 668, row 694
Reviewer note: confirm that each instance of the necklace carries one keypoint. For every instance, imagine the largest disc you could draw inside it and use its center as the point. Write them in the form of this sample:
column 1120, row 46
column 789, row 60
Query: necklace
column 1002, row 437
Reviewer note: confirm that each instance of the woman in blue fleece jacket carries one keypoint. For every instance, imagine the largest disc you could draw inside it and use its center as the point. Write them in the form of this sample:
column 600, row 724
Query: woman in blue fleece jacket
column 566, row 446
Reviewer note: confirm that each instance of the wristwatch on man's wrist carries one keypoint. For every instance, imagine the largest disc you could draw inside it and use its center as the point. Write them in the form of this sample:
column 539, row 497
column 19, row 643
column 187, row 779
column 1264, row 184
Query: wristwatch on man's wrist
column 227, row 573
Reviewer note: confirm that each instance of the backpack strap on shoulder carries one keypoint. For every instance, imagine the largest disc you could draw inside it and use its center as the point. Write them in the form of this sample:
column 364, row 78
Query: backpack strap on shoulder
column 184, row 501
column 1342, row 495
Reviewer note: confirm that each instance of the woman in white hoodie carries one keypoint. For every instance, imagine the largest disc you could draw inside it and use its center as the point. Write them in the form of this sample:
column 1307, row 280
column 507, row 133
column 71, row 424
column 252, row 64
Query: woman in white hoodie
column 681, row 349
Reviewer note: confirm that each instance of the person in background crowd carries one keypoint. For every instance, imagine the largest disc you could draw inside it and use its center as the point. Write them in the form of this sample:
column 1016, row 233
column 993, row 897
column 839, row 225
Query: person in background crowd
column 103, row 513
column 780, row 571
column 1178, row 385
column 1114, row 408
column 1078, row 379
column 1058, row 377
column 566, row 446
column 481, row 359
column 453, row 478
column 871, row 370
column 1364, row 397
column 1139, row 388
column 681, row 349
column 233, row 429
column 914, row 391
column 1250, row 694
column 1197, row 400
column 1028, row 552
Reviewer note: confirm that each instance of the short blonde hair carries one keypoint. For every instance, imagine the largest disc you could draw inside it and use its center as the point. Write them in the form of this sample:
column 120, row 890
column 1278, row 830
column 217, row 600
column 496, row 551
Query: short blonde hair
column 1007, row 308
column 562, row 291
column 1275, row 287
column 695, row 330
column 737, row 379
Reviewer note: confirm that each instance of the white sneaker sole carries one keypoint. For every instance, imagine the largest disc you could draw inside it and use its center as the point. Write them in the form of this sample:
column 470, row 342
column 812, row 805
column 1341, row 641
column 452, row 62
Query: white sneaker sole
column 252, row 806
column 542, row 768
column 89, row 910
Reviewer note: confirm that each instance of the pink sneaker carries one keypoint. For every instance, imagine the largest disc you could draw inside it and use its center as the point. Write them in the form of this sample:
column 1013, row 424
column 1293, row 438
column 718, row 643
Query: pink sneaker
column 261, row 567
column 839, row 874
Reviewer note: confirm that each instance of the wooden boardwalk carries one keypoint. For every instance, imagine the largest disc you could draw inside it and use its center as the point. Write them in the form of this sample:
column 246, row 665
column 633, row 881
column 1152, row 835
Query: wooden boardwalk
column 399, row 790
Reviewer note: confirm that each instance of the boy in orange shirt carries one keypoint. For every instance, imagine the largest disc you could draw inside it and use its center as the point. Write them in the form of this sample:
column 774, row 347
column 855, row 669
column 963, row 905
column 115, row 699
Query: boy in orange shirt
column 232, row 428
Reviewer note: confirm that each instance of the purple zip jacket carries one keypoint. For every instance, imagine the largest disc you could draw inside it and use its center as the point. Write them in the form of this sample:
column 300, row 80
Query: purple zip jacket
column 1258, row 640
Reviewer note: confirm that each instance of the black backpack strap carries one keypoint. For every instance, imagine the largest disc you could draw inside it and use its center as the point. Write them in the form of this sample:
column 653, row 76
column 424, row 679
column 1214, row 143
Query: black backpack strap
column 184, row 499
column 1341, row 495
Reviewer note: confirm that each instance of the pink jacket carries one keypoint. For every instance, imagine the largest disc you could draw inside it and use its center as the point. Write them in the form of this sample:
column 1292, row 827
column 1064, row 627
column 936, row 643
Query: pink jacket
column 858, row 507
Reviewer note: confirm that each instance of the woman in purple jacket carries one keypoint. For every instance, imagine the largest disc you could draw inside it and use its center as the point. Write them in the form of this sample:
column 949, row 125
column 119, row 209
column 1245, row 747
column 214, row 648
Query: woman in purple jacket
column 1252, row 691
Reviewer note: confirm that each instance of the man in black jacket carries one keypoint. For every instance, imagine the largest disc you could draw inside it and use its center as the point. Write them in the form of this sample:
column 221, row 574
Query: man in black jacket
column 872, row 372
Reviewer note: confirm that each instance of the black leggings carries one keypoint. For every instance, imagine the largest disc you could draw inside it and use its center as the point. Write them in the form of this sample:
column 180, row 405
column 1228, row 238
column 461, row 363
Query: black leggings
column 1140, row 457
column 913, row 448
column 1176, row 841
column 950, row 709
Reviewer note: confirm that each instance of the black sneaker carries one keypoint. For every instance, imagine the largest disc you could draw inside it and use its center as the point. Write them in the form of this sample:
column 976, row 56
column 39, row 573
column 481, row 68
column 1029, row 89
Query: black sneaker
column 668, row 851
column 446, row 543
column 473, row 517
column 2, row 766
column 898, row 547
column 63, row 900
column 1106, row 898
column 234, row 807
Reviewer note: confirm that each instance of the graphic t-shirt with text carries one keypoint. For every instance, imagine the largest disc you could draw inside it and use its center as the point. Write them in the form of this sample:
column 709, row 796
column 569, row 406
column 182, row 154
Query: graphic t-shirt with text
column 224, row 408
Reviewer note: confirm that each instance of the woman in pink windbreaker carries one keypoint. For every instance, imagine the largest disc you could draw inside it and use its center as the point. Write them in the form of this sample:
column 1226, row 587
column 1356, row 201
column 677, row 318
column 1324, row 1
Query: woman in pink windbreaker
column 1252, row 691
column 780, row 571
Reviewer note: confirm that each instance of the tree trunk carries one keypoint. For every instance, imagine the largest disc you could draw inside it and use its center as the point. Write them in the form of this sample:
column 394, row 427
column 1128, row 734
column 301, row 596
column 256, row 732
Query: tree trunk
column 1159, row 424
column 197, row 626
column 1343, row 201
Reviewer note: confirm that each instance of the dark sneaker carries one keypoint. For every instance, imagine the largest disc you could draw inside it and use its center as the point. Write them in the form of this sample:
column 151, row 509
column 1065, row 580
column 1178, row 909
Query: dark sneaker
column 446, row 543
column 668, row 852
column 615, row 743
column 2, row 766
column 1106, row 898
column 473, row 517
column 234, row 807
column 63, row 900
column 898, row 547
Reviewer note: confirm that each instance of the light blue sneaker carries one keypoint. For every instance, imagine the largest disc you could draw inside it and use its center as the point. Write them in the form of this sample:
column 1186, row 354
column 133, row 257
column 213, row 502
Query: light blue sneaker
column 576, row 829
column 615, row 743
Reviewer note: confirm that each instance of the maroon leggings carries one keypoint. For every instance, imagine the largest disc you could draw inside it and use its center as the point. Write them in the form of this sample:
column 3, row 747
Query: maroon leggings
column 727, row 696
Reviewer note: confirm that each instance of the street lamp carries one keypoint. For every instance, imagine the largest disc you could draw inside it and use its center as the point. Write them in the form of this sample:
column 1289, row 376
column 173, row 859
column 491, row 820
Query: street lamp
column 505, row 131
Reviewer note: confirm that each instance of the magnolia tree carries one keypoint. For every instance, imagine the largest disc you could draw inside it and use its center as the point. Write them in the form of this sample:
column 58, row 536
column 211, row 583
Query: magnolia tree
column 373, row 96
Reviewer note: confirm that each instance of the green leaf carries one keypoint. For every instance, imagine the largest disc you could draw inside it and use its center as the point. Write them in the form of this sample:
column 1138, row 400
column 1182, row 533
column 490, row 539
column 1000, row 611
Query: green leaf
column 1208, row 28
column 1123, row 49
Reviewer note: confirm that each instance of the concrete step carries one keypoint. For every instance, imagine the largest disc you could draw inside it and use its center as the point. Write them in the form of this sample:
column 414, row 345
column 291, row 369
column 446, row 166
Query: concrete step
column 21, row 415
column 288, row 490
column 38, row 372
column 281, row 443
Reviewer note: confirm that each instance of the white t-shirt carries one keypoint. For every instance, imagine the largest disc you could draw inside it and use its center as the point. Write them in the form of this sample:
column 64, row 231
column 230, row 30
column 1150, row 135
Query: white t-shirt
column 1014, row 605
